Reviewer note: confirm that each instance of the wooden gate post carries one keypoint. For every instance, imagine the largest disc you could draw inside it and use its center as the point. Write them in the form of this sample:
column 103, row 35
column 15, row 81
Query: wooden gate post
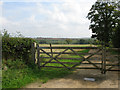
column 38, row 56
column 33, row 51
column 103, row 60
column 51, row 49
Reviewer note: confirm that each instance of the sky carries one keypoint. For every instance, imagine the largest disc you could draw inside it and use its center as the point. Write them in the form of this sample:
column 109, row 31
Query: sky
column 46, row 18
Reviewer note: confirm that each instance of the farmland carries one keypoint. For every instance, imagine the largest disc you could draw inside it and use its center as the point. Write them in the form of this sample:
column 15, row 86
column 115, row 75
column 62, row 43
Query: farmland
column 66, row 45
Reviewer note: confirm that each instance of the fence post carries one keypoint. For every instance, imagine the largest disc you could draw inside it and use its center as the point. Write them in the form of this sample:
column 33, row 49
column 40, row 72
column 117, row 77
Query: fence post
column 51, row 49
column 38, row 56
column 103, row 60
column 33, row 50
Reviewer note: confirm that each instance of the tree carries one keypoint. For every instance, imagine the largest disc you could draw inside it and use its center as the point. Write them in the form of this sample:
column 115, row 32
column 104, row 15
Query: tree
column 116, row 38
column 116, row 33
column 81, row 41
column 68, row 41
column 5, row 33
column 42, row 42
column 103, row 20
column 18, row 34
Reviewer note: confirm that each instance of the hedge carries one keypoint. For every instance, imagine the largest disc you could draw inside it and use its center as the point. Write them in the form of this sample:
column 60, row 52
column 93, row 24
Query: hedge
column 16, row 48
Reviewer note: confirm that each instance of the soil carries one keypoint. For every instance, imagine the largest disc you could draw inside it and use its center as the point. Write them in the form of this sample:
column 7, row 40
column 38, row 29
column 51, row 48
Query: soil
column 76, row 80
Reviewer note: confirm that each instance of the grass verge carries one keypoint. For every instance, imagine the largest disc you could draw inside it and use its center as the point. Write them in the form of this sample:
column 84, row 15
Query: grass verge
column 19, row 77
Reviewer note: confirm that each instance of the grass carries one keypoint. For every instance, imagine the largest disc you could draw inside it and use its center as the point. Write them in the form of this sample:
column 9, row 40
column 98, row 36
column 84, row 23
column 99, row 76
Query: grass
column 84, row 51
column 19, row 77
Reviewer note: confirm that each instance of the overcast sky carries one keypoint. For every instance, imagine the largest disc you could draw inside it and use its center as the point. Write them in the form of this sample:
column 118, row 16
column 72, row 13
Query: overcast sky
column 47, row 18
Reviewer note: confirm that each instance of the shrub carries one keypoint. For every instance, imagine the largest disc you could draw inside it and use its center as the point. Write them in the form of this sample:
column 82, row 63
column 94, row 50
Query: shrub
column 16, row 48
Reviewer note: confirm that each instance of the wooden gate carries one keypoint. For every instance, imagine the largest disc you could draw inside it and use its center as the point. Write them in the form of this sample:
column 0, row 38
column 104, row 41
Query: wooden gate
column 47, row 55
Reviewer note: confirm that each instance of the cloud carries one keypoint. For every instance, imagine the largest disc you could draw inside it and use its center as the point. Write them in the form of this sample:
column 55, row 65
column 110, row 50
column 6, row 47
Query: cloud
column 32, row 18
column 1, row 2
column 66, row 19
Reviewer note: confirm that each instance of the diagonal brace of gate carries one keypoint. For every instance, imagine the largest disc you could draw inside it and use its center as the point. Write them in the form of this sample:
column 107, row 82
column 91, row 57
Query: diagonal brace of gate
column 85, row 58
column 55, row 58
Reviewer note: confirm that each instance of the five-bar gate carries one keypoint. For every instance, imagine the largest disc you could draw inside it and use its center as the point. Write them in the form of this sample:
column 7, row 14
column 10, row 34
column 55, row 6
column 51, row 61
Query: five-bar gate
column 90, row 60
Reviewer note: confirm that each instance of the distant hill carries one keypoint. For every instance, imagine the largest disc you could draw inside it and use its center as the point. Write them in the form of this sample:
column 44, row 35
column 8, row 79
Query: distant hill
column 40, row 38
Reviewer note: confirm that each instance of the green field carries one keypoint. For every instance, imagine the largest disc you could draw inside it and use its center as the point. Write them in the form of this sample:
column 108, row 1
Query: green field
column 66, row 45
column 63, row 55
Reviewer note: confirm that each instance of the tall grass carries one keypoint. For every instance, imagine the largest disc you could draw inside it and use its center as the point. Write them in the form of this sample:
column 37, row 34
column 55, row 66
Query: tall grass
column 19, row 77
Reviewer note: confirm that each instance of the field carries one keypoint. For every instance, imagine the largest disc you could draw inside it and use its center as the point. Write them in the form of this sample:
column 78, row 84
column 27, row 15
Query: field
column 68, row 45
column 67, row 62
column 54, row 63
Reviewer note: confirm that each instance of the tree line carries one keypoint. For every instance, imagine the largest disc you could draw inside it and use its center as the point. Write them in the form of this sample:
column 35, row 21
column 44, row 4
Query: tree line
column 67, row 41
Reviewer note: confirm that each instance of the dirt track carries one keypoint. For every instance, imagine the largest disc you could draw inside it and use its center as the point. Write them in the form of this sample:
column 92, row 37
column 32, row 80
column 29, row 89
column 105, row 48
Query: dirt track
column 76, row 80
